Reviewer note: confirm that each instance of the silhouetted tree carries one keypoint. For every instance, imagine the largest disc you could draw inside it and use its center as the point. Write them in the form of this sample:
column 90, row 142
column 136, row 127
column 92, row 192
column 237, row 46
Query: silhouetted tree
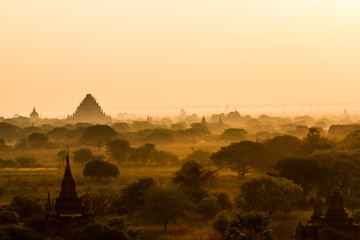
column 25, row 207
column 27, row 162
column 306, row 172
column 194, row 175
column 38, row 140
column 164, row 205
column 84, row 155
column 133, row 195
column 269, row 194
column 199, row 156
column 164, row 158
column 234, row 134
column 3, row 145
column 118, row 150
column 220, row 224
column 121, row 127
column 143, row 154
column 9, row 132
column 96, row 231
column 98, row 135
column 241, row 156
column 99, row 169
column 8, row 217
column 250, row 226
column 61, row 155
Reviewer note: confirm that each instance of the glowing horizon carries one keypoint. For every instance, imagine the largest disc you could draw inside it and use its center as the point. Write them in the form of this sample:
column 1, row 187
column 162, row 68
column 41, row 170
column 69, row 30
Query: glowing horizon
column 181, row 54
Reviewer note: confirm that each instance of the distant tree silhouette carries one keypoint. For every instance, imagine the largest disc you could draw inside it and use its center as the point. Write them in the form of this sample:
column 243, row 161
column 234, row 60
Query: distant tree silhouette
column 9, row 132
column 84, row 155
column 133, row 195
column 121, row 127
column 240, row 156
column 99, row 169
column 143, row 154
column 96, row 231
column 118, row 150
column 234, row 134
column 164, row 205
column 38, row 140
column 98, row 135
column 199, row 156
column 252, row 226
column 3, row 145
column 193, row 174
column 61, row 155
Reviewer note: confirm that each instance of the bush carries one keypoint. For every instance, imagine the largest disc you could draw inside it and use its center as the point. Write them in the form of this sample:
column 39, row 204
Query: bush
column 99, row 169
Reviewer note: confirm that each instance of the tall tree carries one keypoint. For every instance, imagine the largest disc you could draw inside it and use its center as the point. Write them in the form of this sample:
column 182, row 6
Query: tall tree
column 98, row 135
column 241, row 156
column 118, row 150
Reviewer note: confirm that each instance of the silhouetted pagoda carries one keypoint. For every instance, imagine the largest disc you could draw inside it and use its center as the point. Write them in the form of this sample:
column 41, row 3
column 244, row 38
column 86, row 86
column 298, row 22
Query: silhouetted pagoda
column 34, row 116
column 335, row 218
column 68, row 213
column 89, row 111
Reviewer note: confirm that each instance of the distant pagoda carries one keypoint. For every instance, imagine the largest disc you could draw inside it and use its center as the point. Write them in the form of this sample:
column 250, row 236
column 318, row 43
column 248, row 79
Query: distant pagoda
column 89, row 111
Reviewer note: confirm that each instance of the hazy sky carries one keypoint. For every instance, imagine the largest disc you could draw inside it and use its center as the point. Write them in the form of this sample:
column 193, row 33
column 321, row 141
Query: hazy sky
column 177, row 53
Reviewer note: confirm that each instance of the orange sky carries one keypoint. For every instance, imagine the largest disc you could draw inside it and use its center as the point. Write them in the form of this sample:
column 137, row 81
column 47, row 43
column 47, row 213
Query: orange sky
column 177, row 53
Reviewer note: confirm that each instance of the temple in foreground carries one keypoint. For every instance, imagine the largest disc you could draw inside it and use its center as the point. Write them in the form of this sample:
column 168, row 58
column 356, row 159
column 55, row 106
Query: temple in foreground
column 335, row 218
column 89, row 111
column 68, row 212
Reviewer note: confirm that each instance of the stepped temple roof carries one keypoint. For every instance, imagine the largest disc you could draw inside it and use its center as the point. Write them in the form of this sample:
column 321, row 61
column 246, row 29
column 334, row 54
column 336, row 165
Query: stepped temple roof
column 89, row 110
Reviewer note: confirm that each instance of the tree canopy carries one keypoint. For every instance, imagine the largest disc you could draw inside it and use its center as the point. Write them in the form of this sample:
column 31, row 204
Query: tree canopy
column 99, row 169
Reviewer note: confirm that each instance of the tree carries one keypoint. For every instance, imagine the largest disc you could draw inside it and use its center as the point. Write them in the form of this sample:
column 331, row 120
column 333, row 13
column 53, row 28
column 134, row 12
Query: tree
column 120, row 223
column 220, row 224
column 269, row 194
column 193, row 175
column 133, row 195
column 199, row 156
column 99, row 169
column 250, row 226
column 97, row 231
column 8, row 217
column 160, row 136
column 38, row 140
column 84, row 155
column 208, row 207
column 15, row 232
column 27, row 162
column 143, row 154
column 61, row 155
column 25, row 207
column 121, row 127
column 98, row 135
column 283, row 146
column 240, row 156
column 307, row 172
column 314, row 141
column 118, row 150
column 234, row 134
column 9, row 132
column 164, row 158
column 164, row 205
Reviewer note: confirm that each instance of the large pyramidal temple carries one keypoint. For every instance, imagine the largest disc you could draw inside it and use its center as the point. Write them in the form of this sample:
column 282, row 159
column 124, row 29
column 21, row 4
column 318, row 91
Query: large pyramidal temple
column 89, row 111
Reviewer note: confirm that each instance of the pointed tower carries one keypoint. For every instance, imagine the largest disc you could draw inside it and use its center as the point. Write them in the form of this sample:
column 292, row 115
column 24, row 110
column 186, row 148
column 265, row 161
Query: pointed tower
column 220, row 123
column 203, row 121
column 34, row 116
column 68, row 213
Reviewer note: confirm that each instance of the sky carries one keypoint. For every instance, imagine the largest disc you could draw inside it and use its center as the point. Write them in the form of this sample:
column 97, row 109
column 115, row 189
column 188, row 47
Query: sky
column 153, row 54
